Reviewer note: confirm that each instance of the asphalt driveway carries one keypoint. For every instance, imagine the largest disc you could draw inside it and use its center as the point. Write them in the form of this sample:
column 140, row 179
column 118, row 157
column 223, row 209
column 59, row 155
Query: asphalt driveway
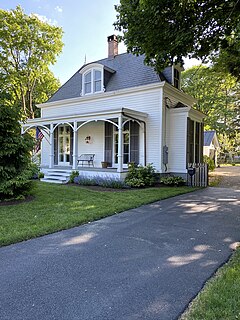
column 146, row 263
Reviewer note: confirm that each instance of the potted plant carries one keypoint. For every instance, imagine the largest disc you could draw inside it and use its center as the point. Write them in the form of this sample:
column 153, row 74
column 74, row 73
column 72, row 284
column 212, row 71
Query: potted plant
column 104, row 164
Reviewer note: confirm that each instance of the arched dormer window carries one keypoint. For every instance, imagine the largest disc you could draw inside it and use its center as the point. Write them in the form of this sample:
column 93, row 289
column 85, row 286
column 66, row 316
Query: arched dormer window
column 92, row 79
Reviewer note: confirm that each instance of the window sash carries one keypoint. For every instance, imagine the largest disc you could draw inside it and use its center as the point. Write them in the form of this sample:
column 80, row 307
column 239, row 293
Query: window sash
column 92, row 81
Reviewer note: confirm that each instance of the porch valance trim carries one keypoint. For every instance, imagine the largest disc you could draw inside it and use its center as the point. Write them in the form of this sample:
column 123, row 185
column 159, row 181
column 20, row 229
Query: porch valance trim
column 103, row 115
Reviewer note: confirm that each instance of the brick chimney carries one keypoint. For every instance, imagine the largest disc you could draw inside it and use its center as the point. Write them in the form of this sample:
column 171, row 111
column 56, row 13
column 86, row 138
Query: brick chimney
column 112, row 46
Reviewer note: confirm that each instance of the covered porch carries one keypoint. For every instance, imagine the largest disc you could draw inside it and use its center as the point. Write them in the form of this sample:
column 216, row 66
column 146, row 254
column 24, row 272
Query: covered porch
column 115, row 137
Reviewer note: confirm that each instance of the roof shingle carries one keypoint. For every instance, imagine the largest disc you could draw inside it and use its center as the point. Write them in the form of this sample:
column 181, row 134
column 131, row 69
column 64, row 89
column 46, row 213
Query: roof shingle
column 130, row 72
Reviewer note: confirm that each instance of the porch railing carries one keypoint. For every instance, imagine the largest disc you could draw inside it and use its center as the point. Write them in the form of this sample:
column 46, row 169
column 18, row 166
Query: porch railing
column 197, row 175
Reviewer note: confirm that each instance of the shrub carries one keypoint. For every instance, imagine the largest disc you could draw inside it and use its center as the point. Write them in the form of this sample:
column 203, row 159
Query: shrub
column 73, row 175
column 173, row 181
column 100, row 181
column 210, row 162
column 140, row 176
column 16, row 170
column 40, row 175
column 35, row 170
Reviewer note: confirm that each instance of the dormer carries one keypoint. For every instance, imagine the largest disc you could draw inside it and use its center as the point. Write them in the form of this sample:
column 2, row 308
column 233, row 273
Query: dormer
column 173, row 75
column 92, row 78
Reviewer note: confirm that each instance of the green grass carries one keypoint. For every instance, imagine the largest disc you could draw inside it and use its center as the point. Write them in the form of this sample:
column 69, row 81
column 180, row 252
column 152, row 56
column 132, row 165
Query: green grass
column 220, row 298
column 58, row 207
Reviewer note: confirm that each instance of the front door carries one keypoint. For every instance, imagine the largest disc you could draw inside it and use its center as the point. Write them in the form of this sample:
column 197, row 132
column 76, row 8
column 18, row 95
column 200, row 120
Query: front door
column 64, row 145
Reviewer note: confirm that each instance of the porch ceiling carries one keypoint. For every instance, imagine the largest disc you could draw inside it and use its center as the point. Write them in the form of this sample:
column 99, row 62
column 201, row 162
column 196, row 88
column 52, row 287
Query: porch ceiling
column 96, row 116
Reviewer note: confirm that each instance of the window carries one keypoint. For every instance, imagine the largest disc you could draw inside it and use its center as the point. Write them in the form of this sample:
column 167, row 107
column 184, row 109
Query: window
column 176, row 79
column 97, row 81
column 93, row 81
column 87, row 82
column 130, row 142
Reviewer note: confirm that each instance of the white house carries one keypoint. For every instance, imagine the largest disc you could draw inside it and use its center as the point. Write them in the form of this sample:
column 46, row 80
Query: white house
column 121, row 111
column 211, row 146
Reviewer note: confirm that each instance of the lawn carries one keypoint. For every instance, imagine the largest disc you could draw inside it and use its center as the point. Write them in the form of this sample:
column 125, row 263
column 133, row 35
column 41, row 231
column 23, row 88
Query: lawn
column 58, row 207
column 220, row 298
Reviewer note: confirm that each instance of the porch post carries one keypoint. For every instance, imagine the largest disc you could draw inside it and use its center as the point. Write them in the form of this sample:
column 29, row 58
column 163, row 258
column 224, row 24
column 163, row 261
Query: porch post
column 120, row 145
column 51, row 154
column 75, row 145
column 143, row 162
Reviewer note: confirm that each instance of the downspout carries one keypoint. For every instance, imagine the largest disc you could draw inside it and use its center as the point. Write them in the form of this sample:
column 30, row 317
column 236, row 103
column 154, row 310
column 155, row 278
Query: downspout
column 144, row 132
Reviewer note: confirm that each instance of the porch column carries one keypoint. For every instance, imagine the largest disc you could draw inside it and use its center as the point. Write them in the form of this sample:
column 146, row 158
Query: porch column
column 143, row 134
column 120, row 145
column 51, row 154
column 75, row 146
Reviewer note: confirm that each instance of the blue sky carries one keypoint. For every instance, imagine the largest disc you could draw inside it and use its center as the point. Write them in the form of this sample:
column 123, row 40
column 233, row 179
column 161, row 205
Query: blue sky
column 86, row 26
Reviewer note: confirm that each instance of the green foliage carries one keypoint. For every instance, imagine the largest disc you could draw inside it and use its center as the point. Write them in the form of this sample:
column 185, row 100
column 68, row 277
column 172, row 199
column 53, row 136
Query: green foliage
column 27, row 47
column 140, row 176
column 217, row 94
column 40, row 175
column 15, row 162
column 167, row 31
column 173, row 181
column 210, row 162
column 73, row 175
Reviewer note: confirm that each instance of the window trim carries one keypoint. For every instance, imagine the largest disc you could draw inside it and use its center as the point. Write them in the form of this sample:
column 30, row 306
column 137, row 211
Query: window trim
column 92, row 68
column 176, row 79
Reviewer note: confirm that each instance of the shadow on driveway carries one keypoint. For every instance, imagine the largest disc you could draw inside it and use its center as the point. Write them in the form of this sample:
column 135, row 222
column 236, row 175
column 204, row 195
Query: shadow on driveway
column 146, row 263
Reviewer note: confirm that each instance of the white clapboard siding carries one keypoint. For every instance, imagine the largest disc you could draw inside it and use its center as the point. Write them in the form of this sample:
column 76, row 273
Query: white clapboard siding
column 96, row 144
column 176, row 139
column 149, row 101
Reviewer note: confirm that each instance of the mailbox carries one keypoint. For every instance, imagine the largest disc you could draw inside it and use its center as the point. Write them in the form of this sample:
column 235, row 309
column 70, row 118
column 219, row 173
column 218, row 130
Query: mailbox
column 191, row 171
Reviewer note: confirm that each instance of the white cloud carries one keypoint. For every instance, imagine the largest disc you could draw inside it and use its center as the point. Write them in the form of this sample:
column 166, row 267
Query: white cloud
column 58, row 9
column 45, row 19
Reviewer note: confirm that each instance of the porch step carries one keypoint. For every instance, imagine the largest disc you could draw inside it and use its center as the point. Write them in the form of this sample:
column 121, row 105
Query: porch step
column 56, row 176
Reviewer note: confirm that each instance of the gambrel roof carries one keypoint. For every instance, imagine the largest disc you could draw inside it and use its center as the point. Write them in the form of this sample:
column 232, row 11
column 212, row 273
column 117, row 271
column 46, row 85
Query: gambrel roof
column 123, row 71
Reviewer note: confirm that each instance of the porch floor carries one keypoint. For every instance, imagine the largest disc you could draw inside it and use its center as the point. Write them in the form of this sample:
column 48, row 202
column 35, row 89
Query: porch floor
column 84, row 168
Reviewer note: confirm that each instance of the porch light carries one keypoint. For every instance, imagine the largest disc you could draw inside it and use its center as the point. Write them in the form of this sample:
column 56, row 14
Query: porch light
column 88, row 139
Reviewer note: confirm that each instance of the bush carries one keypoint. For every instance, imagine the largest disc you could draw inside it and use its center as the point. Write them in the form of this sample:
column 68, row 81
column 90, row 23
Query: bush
column 99, row 181
column 35, row 170
column 16, row 170
column 140, row 176
column 40, row 175
column 73, row 175
column 173, row 181
column 210, row 162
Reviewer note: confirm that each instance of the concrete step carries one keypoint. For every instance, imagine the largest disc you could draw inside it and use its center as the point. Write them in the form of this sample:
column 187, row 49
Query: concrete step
column 56, row 176
column 53, row 181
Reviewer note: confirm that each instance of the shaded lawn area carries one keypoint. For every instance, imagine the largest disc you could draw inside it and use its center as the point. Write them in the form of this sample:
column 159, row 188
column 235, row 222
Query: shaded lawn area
column 58, row 207
column 220, row 298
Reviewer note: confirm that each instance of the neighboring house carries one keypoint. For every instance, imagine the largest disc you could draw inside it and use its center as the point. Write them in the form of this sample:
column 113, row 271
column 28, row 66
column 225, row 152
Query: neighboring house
column 122, row 111
column 211, row 145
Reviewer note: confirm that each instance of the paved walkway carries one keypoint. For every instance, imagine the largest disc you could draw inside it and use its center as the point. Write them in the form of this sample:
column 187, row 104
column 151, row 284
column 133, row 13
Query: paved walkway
column 147, row 263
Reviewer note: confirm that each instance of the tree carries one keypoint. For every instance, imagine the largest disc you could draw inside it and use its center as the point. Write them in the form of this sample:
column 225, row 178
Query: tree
column 228, row 59
column 168, row 30
column 218, row 97
column 15, row 161
column 27, row 47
